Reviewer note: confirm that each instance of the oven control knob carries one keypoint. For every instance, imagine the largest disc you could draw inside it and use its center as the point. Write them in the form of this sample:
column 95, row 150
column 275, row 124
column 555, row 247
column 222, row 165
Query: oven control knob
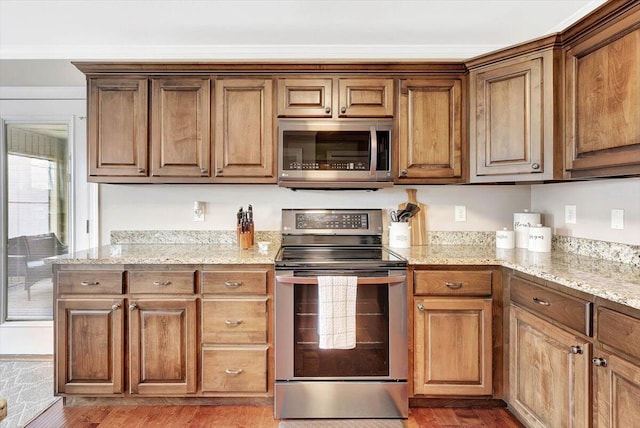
column 420, row 307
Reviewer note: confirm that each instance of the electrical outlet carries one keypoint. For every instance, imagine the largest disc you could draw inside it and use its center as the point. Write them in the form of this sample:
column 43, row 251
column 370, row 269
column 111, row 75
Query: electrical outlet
column 198, row 211
column 570, row 214
column 460, row 213
column 617, row 219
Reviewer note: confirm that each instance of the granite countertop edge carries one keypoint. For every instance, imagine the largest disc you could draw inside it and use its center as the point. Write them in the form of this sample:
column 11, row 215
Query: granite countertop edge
column 612, row 281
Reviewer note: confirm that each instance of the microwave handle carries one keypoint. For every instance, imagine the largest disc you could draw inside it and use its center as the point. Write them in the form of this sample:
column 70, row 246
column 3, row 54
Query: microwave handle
column 374, row 151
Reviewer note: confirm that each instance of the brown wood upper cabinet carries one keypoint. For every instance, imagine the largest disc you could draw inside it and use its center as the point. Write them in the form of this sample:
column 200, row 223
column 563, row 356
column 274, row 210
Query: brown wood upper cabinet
column 431, row 131
column 513, row 122
column 244, row 129
column 180, row 136
column 602, row 85
column 335, row 97
column 117, row 126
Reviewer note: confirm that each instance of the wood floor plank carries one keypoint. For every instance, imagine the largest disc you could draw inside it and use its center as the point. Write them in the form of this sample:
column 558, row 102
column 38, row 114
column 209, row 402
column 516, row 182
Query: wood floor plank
column 244, row 417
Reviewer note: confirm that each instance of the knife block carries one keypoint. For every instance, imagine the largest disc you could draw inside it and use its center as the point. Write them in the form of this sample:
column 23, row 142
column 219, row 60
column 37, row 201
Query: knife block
column 245, row 239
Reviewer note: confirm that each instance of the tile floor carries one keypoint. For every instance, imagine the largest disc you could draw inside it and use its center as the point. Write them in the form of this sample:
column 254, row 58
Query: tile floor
column 28, row 388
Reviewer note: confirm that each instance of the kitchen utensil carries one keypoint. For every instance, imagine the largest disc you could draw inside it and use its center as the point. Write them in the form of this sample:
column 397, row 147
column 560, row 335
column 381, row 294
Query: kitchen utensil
column 418, row 222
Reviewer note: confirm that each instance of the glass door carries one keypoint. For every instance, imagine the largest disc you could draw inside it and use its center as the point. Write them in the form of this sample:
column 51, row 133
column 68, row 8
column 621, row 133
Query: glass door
column 37, row 204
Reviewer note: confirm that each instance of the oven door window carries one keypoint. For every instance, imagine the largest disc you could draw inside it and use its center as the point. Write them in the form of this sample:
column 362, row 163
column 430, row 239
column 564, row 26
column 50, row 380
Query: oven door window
column 369, row 358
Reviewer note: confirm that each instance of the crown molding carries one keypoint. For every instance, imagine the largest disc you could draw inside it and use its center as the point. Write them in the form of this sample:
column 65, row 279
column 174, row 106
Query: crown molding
column 231, row 52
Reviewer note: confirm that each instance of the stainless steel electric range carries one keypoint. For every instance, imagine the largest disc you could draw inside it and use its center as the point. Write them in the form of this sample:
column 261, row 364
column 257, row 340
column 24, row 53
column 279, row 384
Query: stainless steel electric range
column 370, row 380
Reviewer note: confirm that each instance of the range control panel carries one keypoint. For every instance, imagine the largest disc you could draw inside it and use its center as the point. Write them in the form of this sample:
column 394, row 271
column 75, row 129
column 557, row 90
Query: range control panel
column 331, row 221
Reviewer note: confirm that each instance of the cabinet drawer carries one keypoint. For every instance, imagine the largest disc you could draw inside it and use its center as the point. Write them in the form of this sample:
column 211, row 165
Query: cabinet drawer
column 571, row 311
column 619, row 331
column 443, row 283
column 234, row 369
column 234, row 282
column 162, row 282
column 234, row 321
column 90, row 282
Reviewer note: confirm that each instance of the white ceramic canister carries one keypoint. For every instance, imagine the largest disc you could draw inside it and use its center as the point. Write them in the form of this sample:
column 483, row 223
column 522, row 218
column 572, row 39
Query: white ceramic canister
column 505, row 239
column 539, row 239
column 399, row 236
column 521, row 223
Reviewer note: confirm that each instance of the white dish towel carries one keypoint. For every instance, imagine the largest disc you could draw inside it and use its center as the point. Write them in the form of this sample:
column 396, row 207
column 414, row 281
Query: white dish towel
column 337, row 311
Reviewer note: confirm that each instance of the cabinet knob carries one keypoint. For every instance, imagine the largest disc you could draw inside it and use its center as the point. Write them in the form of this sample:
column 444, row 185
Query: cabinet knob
column 535, row 165
column 404, row 172
column 141, row 170
column 233, row 323
column 115, row 307
column 453, row 285
column 161, row 283
column 233, row 371
column 420, row 307
column 327, row 110
column 218, row 170
column 343, row 110
column 203, row 171
column 133, row 306
column 575, row 350
column 599, row 362
column 89, row 283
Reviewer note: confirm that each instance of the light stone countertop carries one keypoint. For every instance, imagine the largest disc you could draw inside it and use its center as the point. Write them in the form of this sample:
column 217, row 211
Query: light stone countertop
column 613, row 281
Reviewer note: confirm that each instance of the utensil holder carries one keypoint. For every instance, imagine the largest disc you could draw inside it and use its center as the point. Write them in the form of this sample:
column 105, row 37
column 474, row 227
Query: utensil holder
column 399, row 236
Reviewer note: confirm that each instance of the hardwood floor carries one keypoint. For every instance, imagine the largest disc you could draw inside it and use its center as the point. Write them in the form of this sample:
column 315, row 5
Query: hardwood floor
column 243, row 417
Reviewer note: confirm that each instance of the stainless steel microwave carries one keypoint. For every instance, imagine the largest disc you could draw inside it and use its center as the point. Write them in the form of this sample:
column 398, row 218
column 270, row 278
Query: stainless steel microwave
column 349, row 153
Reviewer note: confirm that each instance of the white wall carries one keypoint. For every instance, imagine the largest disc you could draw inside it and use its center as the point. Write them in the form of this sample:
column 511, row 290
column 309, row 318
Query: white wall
column 594, row 201
column 169, row 207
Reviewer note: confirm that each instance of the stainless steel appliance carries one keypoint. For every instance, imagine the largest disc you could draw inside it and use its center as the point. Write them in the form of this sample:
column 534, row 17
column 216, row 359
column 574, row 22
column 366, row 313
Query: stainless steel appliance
column 369, row 381
column 347, row 153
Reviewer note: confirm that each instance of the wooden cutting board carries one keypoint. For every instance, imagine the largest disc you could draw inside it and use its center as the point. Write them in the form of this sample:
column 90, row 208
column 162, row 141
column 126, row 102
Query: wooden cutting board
column 418, row 222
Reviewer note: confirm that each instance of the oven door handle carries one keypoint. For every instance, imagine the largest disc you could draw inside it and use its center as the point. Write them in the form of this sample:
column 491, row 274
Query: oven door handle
column 365, row 280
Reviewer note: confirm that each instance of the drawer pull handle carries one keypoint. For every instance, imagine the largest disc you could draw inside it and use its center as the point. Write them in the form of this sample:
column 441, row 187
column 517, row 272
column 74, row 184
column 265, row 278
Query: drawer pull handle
column 133, row 306
column 453, row 285
column 89, row 283
column 420, row 307
column 233, row 323
column 599, row 362
column 233, row 284
column 575, row 350
column 233, row 371
column 541, row 302
column 161, row 283
column 115, row 307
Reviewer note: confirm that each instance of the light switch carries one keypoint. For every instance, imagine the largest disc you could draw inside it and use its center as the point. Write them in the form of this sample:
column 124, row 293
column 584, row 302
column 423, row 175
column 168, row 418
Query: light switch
column 570, row 214
column 617, row 219
column 461, row 213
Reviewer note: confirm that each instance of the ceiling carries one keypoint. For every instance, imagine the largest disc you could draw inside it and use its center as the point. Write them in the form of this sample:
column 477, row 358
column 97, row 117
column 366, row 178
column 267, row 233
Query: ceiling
column 270, row 29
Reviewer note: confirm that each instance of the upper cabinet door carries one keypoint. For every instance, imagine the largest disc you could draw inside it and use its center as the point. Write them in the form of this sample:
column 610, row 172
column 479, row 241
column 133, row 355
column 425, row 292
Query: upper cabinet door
column 180, row 135
column 365, row 97
column 430, row 131
column 117, row 127
column 244, row 130
column 602, row 83
column 509, row 127
column 305, row 97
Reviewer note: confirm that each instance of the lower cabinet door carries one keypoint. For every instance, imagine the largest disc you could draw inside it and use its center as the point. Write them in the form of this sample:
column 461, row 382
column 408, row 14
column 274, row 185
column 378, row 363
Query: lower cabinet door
column 616, row 401
column 548, row 373
column 234, row 368
column 453, row 346
column 162, row 343
column 89, row 346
